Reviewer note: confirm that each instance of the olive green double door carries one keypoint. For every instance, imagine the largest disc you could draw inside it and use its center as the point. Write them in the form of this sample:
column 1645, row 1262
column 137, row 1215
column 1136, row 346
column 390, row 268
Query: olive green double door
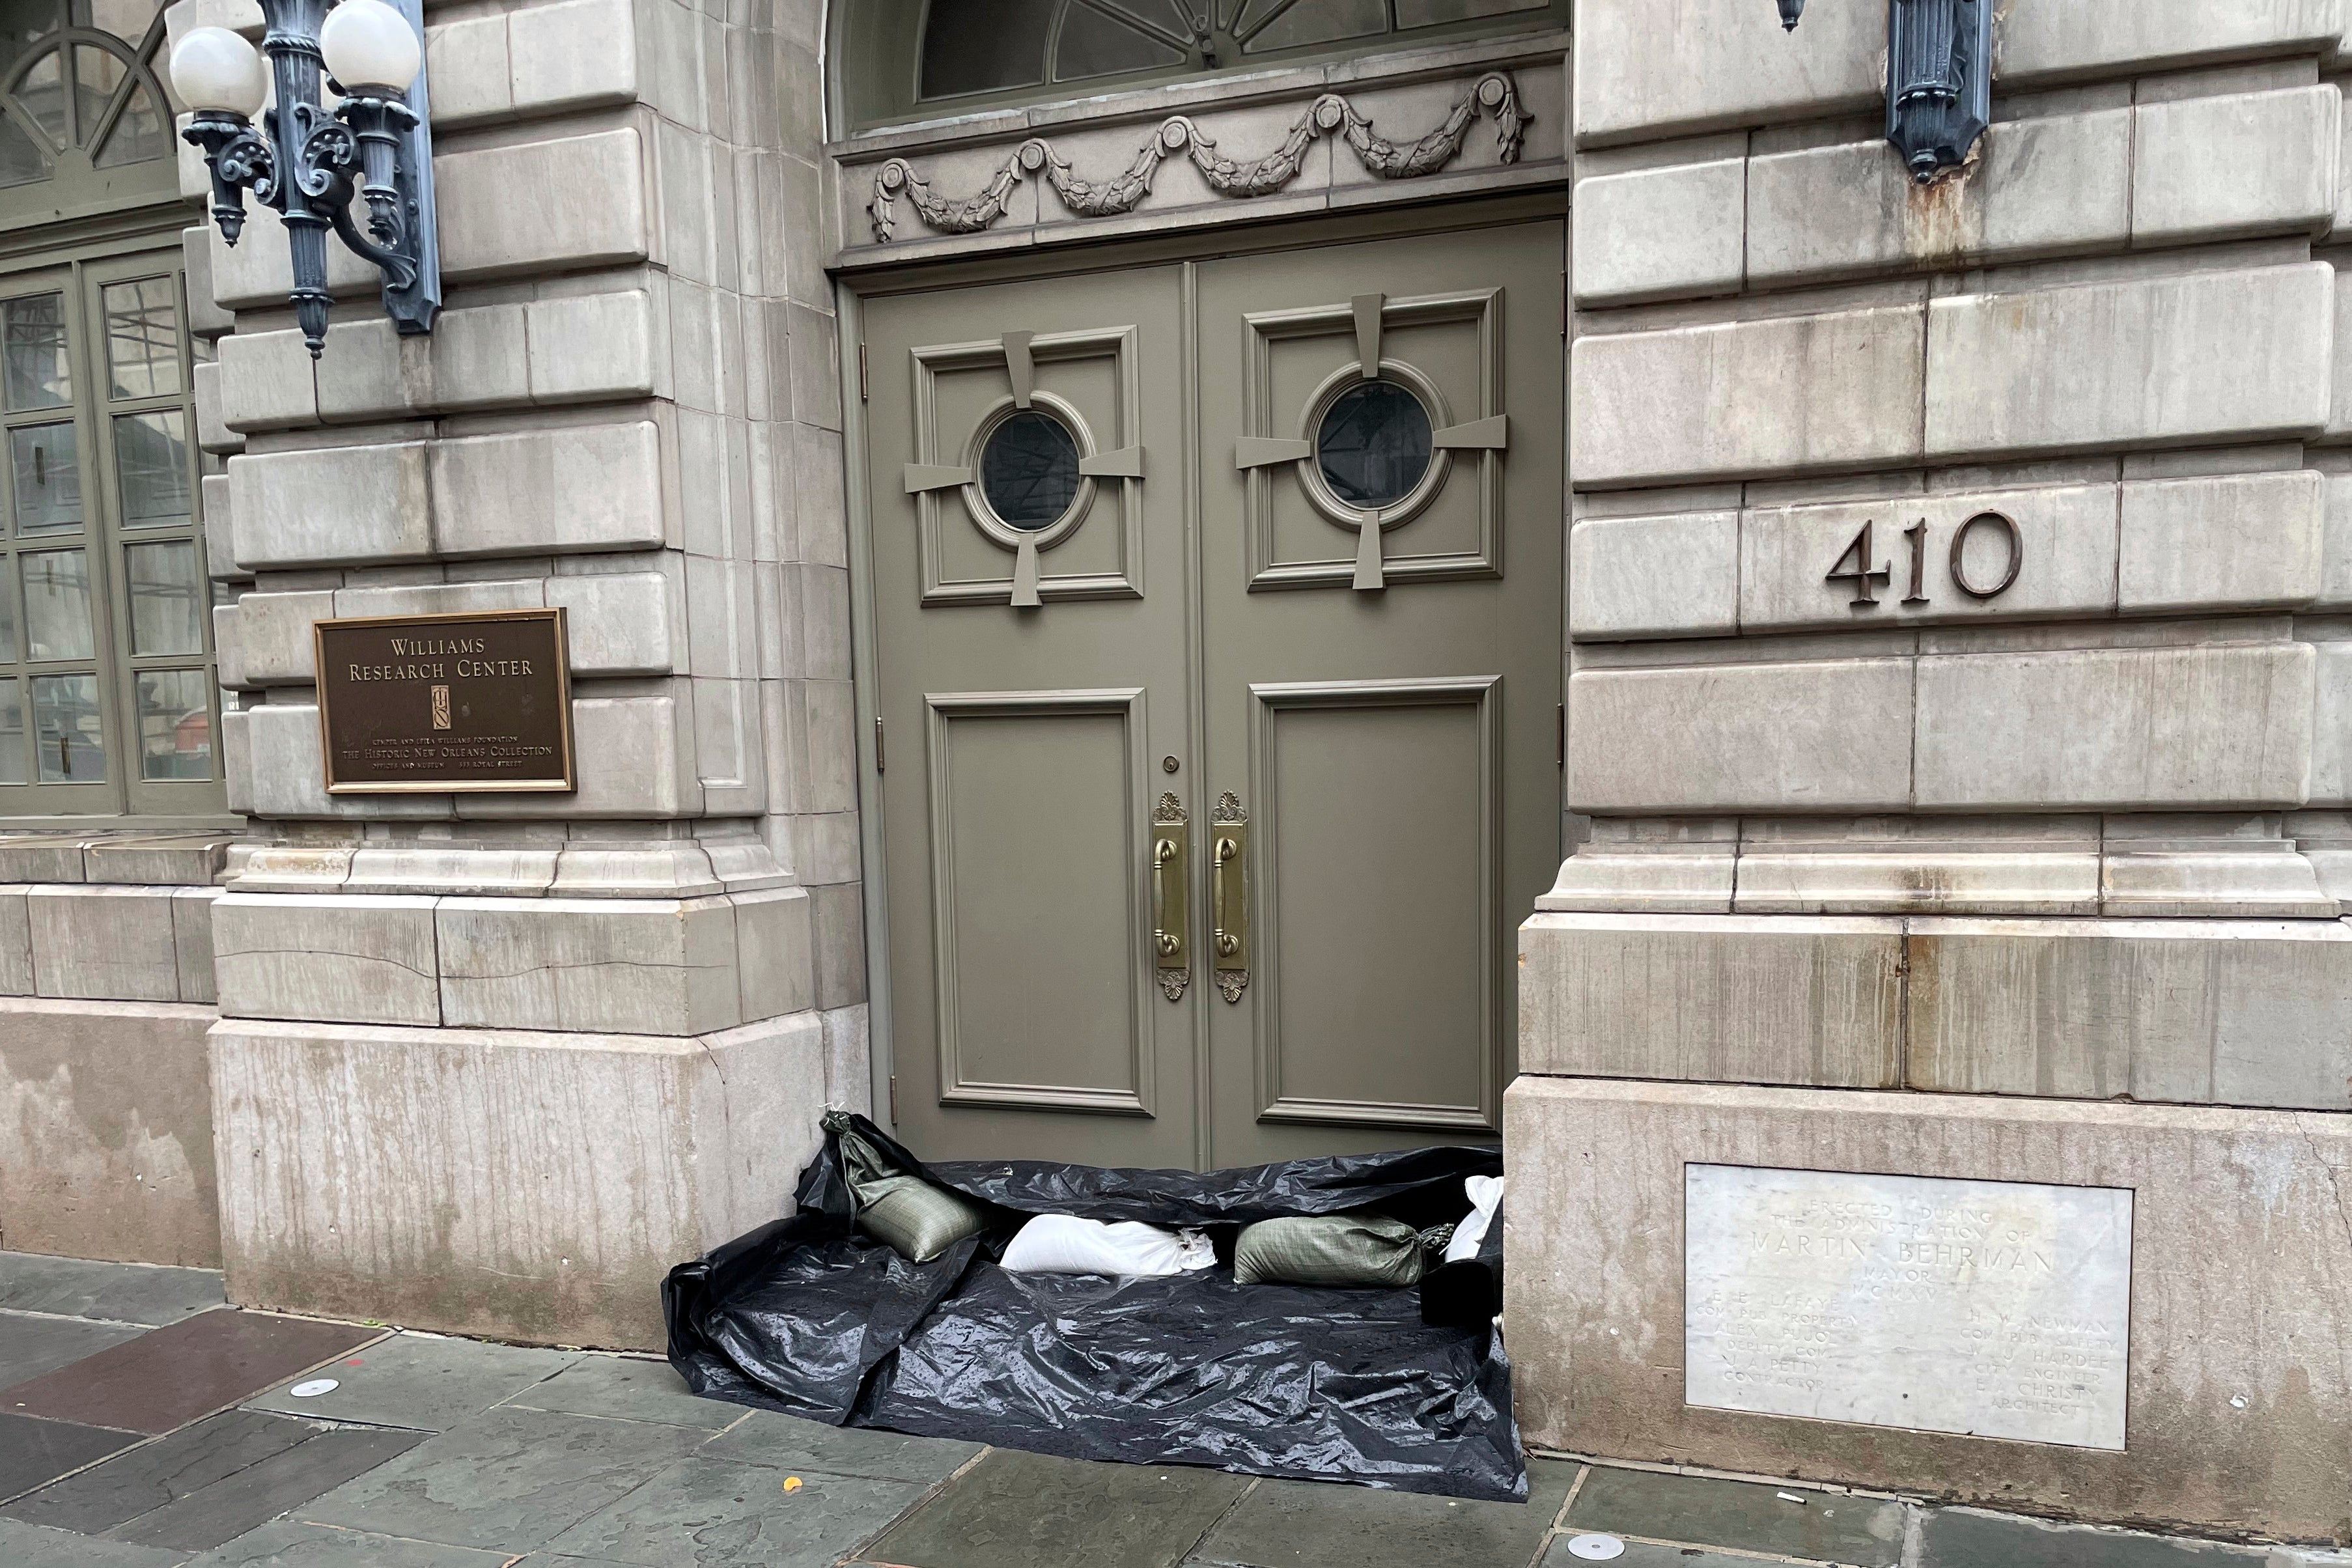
column 1217, row 614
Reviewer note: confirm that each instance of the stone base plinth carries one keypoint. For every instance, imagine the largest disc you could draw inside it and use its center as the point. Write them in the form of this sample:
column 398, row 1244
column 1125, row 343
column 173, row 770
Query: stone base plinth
column 2239, row 1385
column 510, row 1183
column 106, row 1132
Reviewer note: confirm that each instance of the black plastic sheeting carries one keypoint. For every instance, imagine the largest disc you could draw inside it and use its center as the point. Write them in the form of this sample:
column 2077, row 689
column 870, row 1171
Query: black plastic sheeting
column 808, row 1317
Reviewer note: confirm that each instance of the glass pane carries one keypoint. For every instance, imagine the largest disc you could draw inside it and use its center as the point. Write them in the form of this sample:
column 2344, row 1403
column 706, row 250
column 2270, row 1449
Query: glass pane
column 175, row 724
column 1092, row 44
column 1374, row 445
column 96, row 76
column 11, row 729
column 22, row 28
column 68, row 736
column 126, row 19
column 33, row 347
column 57, row 605
column 1314, row 21
column 151, row 461
column 48, row 477
column 1029, row 470
column 21, row 161
column 167, row 598
column 974, row 46
column 137, row 136
column 142, row 337
column 43, row 95
column 1430, row 13
column 7, row 610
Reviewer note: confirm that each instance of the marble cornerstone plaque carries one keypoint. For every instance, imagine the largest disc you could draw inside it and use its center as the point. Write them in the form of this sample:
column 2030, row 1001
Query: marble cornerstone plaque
column 1990, row 1309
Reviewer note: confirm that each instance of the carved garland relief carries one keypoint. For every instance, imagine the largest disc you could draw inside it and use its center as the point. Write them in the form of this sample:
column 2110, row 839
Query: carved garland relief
column 1493, row 95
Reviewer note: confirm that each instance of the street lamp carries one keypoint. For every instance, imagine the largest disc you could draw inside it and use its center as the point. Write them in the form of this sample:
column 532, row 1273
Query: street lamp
column 1938, row 79
column 308, row 163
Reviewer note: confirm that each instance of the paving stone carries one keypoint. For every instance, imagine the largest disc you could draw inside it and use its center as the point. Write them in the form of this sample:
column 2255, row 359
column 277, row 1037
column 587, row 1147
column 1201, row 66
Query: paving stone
column 161, row 1473
column 1965, row 1538
column 34, row 1451
column 168, row 1377
column 1642, row 1554
column 706, row 1510
column 35, row 1546
column 1746, row 1517
column 768, row 1438
column 260, row 1492
column 121, row 1292
column 420, row 1382
column 30, row 1346
column 1027, row 1510
column 630, row 1390
column 510, row 1479
column 1298, row 1524
column 290, row 1544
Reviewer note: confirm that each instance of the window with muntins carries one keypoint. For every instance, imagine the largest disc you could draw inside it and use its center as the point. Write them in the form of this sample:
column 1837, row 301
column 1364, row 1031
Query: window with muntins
column 107, row 693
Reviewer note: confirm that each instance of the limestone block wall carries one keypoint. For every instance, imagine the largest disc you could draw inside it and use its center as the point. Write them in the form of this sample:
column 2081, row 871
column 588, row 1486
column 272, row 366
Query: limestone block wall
column 629, row 408
column 2118, row 329
column 106, row 992
column 1956, row 745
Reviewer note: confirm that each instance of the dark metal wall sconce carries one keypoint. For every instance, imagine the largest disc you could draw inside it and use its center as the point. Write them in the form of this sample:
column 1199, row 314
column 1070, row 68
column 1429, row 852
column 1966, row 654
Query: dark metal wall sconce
column 1938, row 79
column 309, row 164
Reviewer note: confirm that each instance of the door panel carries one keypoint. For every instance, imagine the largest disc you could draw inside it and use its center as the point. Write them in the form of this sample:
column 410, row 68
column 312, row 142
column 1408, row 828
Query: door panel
column 1385, row 716
column 1366, row 788
column 1022, row 784
column 1023, row 744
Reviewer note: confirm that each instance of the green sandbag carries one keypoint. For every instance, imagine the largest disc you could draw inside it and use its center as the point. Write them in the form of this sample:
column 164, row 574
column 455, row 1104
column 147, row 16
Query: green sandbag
column 1352, row 1249
column 920, row 1221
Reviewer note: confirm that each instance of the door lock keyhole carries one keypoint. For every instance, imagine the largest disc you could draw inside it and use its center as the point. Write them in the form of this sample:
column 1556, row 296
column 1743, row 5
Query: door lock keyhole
column 1168, row 764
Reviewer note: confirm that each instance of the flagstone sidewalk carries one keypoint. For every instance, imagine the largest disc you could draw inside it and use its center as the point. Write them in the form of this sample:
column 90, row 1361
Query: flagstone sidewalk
column 143, row 1423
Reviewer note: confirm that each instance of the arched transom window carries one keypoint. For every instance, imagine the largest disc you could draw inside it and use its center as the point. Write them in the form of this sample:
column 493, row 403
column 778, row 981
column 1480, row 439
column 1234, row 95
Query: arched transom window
column 918, row 57
column 79, row 87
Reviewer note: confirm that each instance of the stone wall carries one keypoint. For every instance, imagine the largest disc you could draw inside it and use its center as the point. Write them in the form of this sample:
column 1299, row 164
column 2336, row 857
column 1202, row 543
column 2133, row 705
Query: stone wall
column 629, row 408
column 106, row 986
column 1870, row 833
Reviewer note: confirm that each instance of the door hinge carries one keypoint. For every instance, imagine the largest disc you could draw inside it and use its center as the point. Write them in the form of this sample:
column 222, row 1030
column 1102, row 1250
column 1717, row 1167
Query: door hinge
column 878, row 742
column 861, row 394
column 1564, row 295
column 894, row 1100
column 1560, row 737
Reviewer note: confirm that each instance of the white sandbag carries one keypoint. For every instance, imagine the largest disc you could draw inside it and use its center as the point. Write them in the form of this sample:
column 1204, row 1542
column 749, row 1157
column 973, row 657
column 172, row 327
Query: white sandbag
column 1485, row 1197
column 1063, row 1244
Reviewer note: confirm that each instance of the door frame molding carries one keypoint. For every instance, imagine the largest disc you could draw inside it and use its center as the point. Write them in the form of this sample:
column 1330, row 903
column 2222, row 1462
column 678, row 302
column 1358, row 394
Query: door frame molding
column 1242, row 235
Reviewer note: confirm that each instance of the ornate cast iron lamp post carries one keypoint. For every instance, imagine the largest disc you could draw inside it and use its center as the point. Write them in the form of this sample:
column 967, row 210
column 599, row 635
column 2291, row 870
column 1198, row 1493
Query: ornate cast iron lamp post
column 309, row 164
column 1938, row 79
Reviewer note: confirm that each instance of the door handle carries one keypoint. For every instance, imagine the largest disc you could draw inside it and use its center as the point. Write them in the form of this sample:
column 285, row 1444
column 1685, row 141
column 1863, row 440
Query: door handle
column 1229, row 897
column 1169, row 954
column 1229, row 941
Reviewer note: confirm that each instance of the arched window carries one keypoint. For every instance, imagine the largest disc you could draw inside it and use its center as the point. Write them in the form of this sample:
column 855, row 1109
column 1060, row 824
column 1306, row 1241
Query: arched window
column 903, row 58
column 79, row 87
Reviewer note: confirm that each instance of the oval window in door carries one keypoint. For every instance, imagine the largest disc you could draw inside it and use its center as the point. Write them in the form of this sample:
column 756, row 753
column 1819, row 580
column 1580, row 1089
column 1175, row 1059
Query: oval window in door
column 1374, row 444
column 1029, row 470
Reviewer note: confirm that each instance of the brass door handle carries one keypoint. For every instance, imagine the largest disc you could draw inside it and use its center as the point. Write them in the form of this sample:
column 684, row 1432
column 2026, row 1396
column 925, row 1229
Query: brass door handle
column 1171, row 956
column 1229, row 942
column 1229, row 898
column 1171, row 943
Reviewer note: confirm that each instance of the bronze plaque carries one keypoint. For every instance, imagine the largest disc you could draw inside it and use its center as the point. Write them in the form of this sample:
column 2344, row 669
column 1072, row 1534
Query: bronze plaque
column 446, row 703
